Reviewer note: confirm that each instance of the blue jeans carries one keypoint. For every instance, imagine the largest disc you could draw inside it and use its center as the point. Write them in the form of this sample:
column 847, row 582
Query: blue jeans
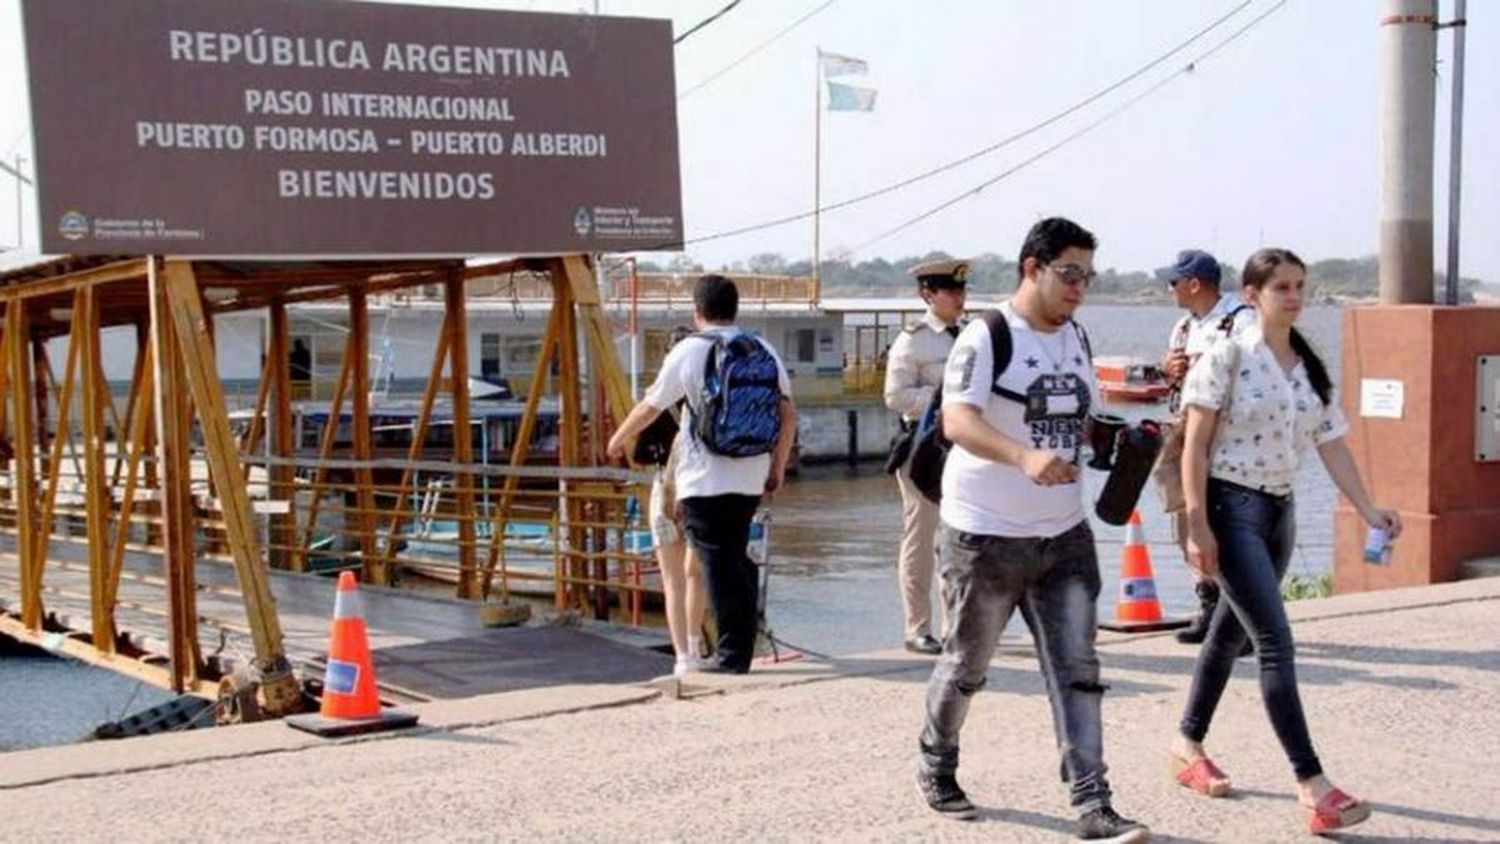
column 1255, row 532
column 1055, row 583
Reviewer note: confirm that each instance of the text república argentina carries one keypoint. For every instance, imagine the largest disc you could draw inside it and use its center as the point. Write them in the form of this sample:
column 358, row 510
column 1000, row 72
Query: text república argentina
column 260, row 48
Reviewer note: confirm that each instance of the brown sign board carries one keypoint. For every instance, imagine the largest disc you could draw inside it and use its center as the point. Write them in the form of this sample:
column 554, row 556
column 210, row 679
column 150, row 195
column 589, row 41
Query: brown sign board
column 315, row 127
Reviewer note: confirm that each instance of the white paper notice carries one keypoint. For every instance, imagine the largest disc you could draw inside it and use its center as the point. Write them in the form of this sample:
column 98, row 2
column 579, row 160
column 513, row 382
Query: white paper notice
column 1381, row 397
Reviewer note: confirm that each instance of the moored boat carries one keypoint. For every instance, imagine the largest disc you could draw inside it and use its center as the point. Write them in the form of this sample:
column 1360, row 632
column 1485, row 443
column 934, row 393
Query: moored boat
column 1126, row 379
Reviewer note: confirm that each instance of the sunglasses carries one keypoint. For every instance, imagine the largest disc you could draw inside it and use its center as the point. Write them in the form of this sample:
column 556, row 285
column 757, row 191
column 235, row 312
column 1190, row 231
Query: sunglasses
column 1072, row 274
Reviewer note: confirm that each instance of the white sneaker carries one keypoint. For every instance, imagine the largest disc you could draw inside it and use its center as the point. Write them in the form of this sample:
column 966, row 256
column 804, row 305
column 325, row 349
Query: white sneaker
column 683, row 666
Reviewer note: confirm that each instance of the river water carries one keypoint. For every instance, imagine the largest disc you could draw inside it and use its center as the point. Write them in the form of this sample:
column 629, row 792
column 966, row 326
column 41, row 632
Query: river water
column 834, row 533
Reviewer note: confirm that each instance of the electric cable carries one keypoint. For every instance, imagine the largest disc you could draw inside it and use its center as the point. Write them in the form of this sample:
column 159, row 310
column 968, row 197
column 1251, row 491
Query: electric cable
column 706, row 21
column 1190, row 67
column 942, row 168
column 753, row 50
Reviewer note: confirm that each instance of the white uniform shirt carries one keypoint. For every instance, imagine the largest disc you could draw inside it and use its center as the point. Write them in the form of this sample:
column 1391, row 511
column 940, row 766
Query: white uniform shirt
column 1196, row 335
column 1268, row 417
column 1052, row 371
column 914, row 366
column 700, row 472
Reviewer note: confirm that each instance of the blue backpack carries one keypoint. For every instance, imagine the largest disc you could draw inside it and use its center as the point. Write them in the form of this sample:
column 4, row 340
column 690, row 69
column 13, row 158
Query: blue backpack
column 739, row 411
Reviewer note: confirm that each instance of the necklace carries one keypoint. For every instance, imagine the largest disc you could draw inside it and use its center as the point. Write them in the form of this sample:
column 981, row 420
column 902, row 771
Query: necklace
column 1062, row 348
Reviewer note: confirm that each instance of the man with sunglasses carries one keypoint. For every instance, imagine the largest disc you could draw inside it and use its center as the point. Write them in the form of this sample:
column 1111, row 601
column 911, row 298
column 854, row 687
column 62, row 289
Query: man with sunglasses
column 1211, row 316
column 1014, row 531
column 913, row 373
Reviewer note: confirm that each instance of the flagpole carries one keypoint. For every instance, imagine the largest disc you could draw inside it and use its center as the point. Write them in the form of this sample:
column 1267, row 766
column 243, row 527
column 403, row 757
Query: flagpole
column 817, row 161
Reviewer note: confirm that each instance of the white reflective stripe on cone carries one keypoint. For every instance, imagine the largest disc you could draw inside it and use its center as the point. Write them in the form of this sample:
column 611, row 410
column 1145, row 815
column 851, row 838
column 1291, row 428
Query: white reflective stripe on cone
column 348, row 604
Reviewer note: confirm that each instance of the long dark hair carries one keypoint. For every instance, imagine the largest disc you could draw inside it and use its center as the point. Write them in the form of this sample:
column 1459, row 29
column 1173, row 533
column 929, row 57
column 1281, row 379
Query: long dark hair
column 1258, row 270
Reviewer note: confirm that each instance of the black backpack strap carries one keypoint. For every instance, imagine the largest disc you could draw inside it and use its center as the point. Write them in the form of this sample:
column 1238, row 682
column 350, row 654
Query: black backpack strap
column 1000, row 352
column 710, row 361
column 1083, row 340
column 1226, row 324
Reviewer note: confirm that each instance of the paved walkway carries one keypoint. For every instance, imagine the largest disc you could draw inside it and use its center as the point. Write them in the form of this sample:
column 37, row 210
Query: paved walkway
column 1402, row 690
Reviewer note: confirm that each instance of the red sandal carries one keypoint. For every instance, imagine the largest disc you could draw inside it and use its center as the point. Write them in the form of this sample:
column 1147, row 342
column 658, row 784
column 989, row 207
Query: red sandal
column 1335, row 811
column 1201, row 775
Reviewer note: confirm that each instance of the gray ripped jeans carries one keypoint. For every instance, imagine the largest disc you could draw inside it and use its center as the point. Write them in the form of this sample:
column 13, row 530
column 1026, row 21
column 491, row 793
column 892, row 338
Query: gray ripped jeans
column 1055, row 583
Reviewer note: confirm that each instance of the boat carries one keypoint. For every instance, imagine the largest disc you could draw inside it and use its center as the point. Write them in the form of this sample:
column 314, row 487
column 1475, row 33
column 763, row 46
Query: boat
column 1126, row 379
column 431, row 546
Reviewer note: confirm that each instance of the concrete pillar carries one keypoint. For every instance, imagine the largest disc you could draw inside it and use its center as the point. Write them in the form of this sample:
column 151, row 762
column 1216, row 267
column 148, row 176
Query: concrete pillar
column 1409, row 91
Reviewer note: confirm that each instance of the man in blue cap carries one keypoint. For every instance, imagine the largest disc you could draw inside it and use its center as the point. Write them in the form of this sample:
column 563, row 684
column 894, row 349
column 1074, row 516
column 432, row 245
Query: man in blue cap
column 1212, row 315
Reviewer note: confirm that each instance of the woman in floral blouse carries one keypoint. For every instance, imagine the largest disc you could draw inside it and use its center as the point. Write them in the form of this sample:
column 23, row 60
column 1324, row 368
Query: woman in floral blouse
column 1255, row 406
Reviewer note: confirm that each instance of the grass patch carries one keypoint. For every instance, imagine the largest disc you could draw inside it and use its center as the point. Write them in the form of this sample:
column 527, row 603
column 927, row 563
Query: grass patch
column 1298, row 587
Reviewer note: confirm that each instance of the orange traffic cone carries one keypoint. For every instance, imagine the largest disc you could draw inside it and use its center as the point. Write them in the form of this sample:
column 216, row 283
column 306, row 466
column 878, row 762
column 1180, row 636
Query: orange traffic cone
column 1138, row 610
column 351, row 703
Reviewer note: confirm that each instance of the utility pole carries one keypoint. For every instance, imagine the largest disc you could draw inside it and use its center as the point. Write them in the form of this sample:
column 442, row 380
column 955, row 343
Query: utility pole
column 1409, row 93
column 1456, row 146
column 21, row 180
column 20, row 234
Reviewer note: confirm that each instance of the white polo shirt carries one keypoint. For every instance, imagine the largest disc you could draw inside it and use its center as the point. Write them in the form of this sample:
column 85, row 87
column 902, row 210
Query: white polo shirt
column 1196, row 335
column 700, row 472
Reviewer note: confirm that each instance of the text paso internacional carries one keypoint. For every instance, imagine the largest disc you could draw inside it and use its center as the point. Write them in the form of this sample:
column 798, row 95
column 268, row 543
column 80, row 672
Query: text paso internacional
column 285, row 127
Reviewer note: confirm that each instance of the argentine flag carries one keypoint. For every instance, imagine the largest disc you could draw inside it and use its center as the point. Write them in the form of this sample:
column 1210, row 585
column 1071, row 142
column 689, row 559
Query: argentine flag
column 837, row 65
column 850, row 98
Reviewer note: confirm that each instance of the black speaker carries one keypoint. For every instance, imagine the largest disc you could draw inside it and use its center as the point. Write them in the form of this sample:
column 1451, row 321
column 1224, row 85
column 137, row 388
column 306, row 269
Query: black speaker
column 1104, row 429
column 1136, row 448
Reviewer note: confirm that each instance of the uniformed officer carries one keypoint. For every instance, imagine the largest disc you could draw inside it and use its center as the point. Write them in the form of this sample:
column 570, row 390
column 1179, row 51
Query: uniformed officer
column 1211, row 316
column 914, row 371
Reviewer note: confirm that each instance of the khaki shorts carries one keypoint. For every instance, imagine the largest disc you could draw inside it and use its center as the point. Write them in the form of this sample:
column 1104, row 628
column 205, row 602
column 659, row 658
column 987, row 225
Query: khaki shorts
column 662, row 511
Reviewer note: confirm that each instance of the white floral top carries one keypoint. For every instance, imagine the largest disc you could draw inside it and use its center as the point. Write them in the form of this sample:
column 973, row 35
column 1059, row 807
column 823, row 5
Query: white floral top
column 1267, row 417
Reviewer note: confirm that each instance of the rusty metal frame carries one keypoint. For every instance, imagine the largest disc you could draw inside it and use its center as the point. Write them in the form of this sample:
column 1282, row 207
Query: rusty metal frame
column 174, row 383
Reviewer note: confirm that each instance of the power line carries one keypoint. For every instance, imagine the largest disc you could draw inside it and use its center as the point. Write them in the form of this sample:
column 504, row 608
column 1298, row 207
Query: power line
column 706, row 21
column 1086, row 101
column 942, row 168
column 753, row 50
column 14, row 172
column 976, row 190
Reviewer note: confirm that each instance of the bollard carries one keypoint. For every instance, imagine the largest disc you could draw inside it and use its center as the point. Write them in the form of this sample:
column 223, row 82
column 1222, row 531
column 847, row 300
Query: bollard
column 853, row 437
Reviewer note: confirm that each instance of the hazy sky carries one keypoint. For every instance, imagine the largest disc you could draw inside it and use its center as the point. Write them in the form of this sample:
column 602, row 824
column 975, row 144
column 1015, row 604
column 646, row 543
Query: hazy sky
column 1271, row 141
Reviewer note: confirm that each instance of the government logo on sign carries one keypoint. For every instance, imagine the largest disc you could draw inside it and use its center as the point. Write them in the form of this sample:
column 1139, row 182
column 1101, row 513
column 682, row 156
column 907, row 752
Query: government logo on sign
column 582, row 223
column 73, row 226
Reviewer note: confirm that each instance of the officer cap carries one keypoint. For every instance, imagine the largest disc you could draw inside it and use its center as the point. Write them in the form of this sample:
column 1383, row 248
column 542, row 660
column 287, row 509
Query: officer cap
column 941, row 275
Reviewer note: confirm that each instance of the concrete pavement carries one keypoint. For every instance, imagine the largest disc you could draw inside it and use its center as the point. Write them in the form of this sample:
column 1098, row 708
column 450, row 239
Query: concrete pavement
column 1402, row 691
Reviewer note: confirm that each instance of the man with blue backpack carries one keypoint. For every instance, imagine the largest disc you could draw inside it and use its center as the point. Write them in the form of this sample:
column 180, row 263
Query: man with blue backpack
column 739, row 424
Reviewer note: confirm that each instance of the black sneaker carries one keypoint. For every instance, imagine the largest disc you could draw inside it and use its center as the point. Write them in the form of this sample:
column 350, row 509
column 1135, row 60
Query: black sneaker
column 924, row 644
column 943, row 795
column 1106, row 825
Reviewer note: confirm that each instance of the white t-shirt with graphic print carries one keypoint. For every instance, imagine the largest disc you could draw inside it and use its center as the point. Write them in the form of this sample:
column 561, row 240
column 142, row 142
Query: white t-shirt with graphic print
column 1268, row 417
column 1051, row 371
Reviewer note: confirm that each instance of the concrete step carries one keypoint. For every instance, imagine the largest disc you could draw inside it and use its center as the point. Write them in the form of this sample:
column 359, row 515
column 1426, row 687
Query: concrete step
column 1479, row 567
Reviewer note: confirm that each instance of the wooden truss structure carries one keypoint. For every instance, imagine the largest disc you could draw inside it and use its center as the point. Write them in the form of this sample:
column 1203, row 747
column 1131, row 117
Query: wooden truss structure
column 130, row 480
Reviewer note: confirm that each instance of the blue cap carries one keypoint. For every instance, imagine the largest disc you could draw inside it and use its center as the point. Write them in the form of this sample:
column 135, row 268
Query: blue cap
column 1192, row 263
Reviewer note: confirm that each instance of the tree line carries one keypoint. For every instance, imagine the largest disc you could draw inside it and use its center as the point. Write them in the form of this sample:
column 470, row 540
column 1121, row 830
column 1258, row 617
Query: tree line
column 1328, row 279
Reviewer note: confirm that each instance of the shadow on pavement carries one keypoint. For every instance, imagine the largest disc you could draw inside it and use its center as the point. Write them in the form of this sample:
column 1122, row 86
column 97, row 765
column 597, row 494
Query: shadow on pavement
column 1015, row 673
column 457, row 737
column 1311, row 670
column 1483, row 660
column 1412, row 813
